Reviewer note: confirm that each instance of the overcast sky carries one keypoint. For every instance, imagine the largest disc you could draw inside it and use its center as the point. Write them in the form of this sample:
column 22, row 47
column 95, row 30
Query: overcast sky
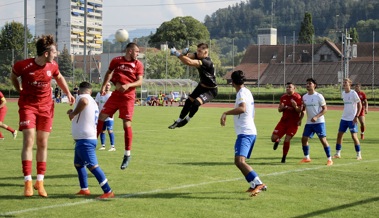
column 127, row 14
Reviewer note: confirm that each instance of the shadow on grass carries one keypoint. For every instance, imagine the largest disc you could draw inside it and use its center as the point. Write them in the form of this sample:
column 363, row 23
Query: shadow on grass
column 64, row 176
column 188, row 195
column 341, row 207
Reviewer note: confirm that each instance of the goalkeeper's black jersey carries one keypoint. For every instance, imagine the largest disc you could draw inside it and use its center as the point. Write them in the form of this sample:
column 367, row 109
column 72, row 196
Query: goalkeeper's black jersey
column 207, row 72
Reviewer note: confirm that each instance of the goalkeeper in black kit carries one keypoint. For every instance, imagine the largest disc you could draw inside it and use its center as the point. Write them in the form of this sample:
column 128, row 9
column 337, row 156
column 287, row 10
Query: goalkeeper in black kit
column 205, row 91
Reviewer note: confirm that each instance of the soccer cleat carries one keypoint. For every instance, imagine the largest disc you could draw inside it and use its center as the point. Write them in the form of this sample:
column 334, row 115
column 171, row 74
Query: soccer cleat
column 14, row 134
column 41, row 190
column 28, row 188
column 305, row 160
column 362, row 136
column 359, row 157
column 125, row 162
column 84, row 192
column 276, row 144
column 174, row 125
column 283, row 159
column 329, row 163
column 106, row 195
column 102, row 148
column 257, row 190
column 112, row 149
column 182, row 123
column 337, row 156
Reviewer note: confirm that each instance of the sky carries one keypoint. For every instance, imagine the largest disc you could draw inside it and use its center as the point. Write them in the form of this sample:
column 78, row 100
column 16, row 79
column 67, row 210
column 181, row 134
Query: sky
column 127, row 14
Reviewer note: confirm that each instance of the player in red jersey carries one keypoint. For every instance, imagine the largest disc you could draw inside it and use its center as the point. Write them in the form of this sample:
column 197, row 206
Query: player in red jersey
column 36, row 107
column 126, row 73
column 361, row 116
column 3, row 112
column 291, row 106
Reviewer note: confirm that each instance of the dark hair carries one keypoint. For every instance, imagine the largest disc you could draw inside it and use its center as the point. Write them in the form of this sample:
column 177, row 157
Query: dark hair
column 238, row 77
column 202, row 44
column 131, row 45
column 44, row 44
column 85, row 85
column 313, row 81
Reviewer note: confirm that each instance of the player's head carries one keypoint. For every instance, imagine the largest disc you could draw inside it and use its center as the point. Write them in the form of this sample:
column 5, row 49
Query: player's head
column 290, row 88
column 347, row 83
column 132, row 51
column 238, row 77
column 311, row 82
column 357, row 87
column 85, row 88
column 202, row 50
column 46, row 47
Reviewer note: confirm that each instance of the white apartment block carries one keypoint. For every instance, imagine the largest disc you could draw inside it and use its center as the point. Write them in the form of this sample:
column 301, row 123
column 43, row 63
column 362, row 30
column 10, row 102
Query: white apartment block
column 64, row 19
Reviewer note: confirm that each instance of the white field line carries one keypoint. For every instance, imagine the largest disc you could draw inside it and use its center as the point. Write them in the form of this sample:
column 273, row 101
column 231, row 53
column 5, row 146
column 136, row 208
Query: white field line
column 180, row 187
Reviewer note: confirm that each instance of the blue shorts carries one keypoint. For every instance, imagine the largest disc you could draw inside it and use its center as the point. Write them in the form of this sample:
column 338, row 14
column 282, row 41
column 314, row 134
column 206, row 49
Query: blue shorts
column 85, row 152
column 108, row 125
column 311, row 129
column 348, row 124
column 244, row 145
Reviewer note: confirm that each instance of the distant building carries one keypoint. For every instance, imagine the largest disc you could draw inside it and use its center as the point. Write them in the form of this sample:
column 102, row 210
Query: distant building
column 267, row 36
column 298, row 66
column 65, row 21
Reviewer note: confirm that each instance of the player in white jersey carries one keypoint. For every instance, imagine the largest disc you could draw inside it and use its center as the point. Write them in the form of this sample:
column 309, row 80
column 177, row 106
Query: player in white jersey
column 84, row 119
column 315, row 108
column 246, row 131
column 108, row 123
column 351, row 110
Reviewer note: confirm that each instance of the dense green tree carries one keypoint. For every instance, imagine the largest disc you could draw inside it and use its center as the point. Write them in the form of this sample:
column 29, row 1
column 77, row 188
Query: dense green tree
column 12, row 46
column 365, row 29
column 160, row 65
column 179, row 32
column 354, row 35
column 65, row 63
column 307, row 30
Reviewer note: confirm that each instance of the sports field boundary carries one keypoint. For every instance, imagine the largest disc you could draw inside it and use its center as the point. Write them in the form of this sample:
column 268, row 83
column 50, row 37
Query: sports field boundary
column 321, row 167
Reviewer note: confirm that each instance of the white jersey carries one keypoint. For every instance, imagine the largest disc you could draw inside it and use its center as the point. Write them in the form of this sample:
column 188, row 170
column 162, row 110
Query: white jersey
column 101, row 99
column 350, row 107
column 313, row 106
column 244, row 123
column 84, row 124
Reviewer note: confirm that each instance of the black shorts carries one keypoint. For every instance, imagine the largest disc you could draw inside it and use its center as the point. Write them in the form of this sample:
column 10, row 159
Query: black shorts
column 206, row 94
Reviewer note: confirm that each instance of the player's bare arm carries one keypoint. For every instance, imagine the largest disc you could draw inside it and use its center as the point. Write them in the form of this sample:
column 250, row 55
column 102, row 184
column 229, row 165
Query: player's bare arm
column 123, row 87
column 236, row 111
column 323, row 111
column 15, row 82
column 107, row 78
column 83, row 102
column 63, row 85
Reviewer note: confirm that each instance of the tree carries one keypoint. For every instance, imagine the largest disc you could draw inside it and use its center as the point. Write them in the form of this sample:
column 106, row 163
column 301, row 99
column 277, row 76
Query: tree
column 179, row 32
column 65, row 63
column 156, row 65
column 306, row 30
column 354, row 35
column 12, row 46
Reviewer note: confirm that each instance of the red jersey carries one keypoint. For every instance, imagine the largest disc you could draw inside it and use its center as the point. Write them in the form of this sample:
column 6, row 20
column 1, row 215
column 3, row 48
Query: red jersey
column 362, row 96
column 125, row 72
column 36, row 81
column 290, row 113
column 4, row 108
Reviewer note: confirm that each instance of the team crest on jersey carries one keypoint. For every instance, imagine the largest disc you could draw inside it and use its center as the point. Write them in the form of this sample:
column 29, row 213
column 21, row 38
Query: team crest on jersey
column 48, row 73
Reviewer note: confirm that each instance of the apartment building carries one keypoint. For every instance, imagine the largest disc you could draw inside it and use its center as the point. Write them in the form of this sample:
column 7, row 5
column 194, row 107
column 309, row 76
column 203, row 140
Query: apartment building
column 65, row 20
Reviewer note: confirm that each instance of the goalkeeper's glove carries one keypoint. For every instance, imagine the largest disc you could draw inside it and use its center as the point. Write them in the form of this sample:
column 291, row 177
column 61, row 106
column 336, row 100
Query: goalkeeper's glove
column 185, row 51
column 173, row 52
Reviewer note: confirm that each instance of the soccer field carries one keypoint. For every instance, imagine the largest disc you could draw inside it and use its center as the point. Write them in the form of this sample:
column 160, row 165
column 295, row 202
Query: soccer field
column 189, row 172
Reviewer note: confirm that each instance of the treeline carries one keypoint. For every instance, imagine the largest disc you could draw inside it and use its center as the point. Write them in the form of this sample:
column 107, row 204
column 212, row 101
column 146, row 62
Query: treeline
column 242, row 20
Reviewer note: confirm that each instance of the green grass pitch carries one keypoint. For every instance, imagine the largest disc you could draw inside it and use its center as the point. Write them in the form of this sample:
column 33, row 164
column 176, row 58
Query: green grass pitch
column 189, row 172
